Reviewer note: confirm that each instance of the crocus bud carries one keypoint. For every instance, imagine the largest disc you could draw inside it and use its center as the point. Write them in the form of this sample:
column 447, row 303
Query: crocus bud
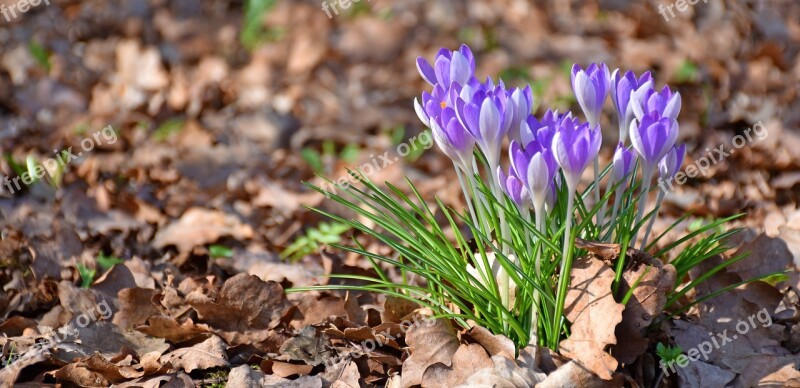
column 653, row 136
column 575, row 145
column 512, row 186
column 621, row 165
column 671, row 162
column 591, row 86
column 521, row 103
column 487, row 115
column 448, row 67
column 665, row 102
column 535, row 166
column 622, row 89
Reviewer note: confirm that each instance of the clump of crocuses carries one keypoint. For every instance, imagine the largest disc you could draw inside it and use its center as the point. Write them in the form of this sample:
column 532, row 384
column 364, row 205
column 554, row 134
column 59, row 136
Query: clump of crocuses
column 481, row 124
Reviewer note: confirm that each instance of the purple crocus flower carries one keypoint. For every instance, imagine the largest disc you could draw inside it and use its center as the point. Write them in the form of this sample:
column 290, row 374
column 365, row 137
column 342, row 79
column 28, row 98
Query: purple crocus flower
column 448, row 67
column 622, row 88
column 575, row 145
column 521, row 104
column 591, row 86
column 541, row 130
column 672, row 161
column 621, row 164
column 452, row 138
column 487, row 115
column 665, row 102
column 512, row 186
column 652, row 137
column 535, row 166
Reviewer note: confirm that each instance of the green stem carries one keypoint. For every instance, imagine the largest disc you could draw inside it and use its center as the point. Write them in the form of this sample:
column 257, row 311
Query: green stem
column 647, row 172
column 652, row 220
column 566, row 265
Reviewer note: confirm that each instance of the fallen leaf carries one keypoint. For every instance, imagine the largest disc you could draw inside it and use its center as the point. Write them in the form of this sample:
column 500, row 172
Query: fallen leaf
column 431, row 343
column 205, row 355
column 646, row 302
column 594, row 314
column 467, row 361
column 245, row 304
column 198, row 227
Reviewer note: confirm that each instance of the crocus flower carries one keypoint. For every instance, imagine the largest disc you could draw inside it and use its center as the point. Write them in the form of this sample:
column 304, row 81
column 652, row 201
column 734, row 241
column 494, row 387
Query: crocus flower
column 652, row 137
column 448, row 67
column 671, row 162
column 621, row 164
column 591, row 86
column 512, row 186
column 665, row 102
column 541, row 130
column 521, row 103
column 487, row 115
column 536, row 167
column 575, row 145
column 453, row 139
column 622, row 88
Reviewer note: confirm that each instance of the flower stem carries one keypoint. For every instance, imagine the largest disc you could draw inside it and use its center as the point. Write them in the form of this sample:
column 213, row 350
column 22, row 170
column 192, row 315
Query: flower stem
column 467, row 196
column 534, row 339
column 647, row 172
column 566, row 264
column 652, row 220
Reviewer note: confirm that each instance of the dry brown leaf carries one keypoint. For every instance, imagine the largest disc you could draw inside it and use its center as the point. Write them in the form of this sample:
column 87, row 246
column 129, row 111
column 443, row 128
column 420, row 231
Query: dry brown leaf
column 701, row 374
column 245, row 304
column 467, row 361
column 594, row 314
column 647, row 302
column 168, row 328
column 207, row 354
column 431, row 343
column 136, row 305
column 505, row 374
column 198, row 227
column 495, row 344
column 573, row 375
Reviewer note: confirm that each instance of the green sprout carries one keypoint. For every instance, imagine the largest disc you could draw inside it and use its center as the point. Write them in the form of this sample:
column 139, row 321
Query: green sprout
column 253, row 31
column 167, row 129
column 220, row 252
column 326, row 233
column 106, row 262
column 40, row 54
column 668, row 353
column 87, row 275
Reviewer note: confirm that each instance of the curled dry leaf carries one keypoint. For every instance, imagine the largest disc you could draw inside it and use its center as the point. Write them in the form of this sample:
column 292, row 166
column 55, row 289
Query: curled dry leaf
column 466, row 362
column 431, row 343
column 495, row 344
column 594, row 314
